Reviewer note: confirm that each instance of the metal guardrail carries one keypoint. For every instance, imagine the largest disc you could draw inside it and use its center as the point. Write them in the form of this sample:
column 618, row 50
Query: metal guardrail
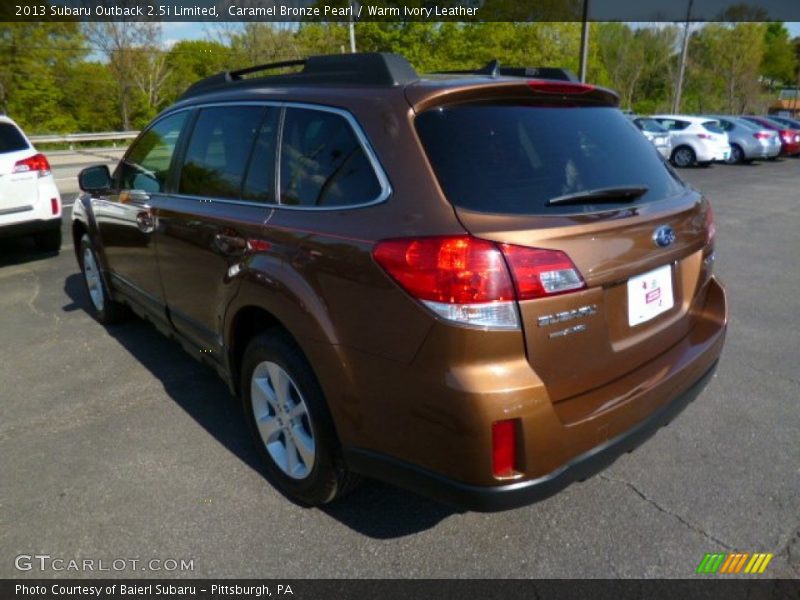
column 77, row 138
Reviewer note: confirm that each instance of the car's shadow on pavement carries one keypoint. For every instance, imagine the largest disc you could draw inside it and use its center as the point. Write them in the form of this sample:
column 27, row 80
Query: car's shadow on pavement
column 373, row 509
column 22, row 250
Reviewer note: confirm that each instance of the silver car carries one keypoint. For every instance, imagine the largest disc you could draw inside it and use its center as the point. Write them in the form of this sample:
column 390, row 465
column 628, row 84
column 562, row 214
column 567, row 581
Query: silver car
column 656, row 133
column 748, row 140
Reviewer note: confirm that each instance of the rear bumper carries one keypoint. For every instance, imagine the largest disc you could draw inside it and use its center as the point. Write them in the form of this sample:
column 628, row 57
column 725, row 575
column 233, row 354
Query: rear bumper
column 29, row 227
column 756, row 151
column 559, row 448
column 790, row 148
column 713, row 153
column 514, row 495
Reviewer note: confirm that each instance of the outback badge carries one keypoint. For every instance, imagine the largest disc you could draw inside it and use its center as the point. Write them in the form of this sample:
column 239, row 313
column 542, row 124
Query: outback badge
column 664, row 236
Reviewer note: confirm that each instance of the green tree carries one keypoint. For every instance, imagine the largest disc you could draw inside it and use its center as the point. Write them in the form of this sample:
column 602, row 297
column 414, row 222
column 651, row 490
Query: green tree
column 723, row 74
column 37, row 59
column 622, row 53
column 90, row 98
column 779, row 64
column 191, row 60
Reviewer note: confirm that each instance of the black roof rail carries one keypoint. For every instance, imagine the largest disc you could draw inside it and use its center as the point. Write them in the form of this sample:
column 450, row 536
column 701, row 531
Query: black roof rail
column 367, row 68
column 494, row 69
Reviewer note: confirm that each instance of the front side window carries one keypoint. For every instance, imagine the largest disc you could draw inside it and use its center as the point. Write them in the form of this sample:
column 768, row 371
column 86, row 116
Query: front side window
column 146, row 166
column 323, row 163
column 218, row 151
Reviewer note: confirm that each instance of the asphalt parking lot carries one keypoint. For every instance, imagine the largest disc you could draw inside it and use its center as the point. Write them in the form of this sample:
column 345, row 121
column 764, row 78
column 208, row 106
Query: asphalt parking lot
column 116, row 444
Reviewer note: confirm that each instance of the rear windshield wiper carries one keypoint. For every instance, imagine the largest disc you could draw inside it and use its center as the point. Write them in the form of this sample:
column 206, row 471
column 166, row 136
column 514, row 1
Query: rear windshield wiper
column 612, row 194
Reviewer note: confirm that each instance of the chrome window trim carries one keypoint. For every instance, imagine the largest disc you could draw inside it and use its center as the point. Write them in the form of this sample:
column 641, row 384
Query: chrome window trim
column 377, row 168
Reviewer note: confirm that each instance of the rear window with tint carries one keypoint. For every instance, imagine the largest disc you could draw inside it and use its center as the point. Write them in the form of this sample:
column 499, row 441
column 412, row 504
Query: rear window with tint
column 713, row 127
column 512, row 159
column 11, row 139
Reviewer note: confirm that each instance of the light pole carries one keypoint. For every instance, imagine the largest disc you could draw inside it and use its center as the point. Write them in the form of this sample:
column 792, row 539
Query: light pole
column 352, row 27
column 584, row 41
column 676, row 101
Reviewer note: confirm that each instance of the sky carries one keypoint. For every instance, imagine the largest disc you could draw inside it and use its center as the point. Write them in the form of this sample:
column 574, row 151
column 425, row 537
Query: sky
column 174, row 32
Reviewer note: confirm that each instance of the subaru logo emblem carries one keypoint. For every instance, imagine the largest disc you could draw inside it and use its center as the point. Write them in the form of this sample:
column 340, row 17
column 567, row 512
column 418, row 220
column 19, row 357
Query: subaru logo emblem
column 664, row 236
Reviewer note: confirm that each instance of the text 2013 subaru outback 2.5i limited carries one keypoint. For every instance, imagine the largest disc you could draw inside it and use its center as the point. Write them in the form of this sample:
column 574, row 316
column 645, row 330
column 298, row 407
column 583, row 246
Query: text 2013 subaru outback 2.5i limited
column 480, row 286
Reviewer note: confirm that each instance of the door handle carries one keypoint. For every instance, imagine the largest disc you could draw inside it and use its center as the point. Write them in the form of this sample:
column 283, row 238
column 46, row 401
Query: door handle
column 230, row 244
column 146, row 220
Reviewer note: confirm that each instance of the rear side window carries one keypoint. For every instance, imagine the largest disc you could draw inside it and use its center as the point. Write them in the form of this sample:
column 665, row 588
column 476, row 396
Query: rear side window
column 218, row 151
column 11, row 140
column 650, row 125
column 673, row 125
column 146, row 166
column 713, row 127
column 323, row 163
column 513, row 159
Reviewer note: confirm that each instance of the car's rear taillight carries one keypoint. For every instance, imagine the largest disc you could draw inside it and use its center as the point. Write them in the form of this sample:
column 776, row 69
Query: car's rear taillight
column 762, row 135
column 786, row 135
column 55, row 206
column 704, row 136
column 460, row 278
column 504, row 448
column 711, row 226
column 467, row 279
column 37, row 162
column 538, row 272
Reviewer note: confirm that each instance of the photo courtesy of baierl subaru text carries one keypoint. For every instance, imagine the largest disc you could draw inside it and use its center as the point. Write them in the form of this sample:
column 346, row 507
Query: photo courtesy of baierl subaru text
column 338, row 299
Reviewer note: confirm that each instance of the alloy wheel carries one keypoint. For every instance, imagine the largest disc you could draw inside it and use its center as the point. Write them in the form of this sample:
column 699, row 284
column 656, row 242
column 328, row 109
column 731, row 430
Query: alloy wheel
column 93, row 282
column 282, row 419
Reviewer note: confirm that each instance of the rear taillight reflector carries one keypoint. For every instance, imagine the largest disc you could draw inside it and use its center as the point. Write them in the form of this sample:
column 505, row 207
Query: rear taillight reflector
column 538, row 272
column 55, row 206
column 704, row 136
column 504, row 448
column 37, row 162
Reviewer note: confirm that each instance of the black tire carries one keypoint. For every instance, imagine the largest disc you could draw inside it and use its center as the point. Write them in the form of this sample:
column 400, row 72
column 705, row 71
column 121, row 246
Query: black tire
column 683, row 156
column 109, row 312
column 737, row 155
column 48, row 241
column 329, row 478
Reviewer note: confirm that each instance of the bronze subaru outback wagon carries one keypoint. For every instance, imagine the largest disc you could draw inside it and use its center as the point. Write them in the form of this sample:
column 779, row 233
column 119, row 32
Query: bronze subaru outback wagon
column 478, row 285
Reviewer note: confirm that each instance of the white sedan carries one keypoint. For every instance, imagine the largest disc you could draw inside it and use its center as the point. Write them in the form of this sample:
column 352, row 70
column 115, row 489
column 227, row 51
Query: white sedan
column 695, row 140
column 29, row 200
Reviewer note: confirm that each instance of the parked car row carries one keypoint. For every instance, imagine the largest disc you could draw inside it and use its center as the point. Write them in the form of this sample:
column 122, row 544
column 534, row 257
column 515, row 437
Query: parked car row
column 700, row 140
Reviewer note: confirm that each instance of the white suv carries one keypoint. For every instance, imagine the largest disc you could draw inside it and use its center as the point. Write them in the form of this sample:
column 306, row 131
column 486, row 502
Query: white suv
column 695, row 140
column 29, row 200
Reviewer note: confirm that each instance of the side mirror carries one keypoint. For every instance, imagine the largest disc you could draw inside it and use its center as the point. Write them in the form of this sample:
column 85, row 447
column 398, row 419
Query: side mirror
column 95, row 179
